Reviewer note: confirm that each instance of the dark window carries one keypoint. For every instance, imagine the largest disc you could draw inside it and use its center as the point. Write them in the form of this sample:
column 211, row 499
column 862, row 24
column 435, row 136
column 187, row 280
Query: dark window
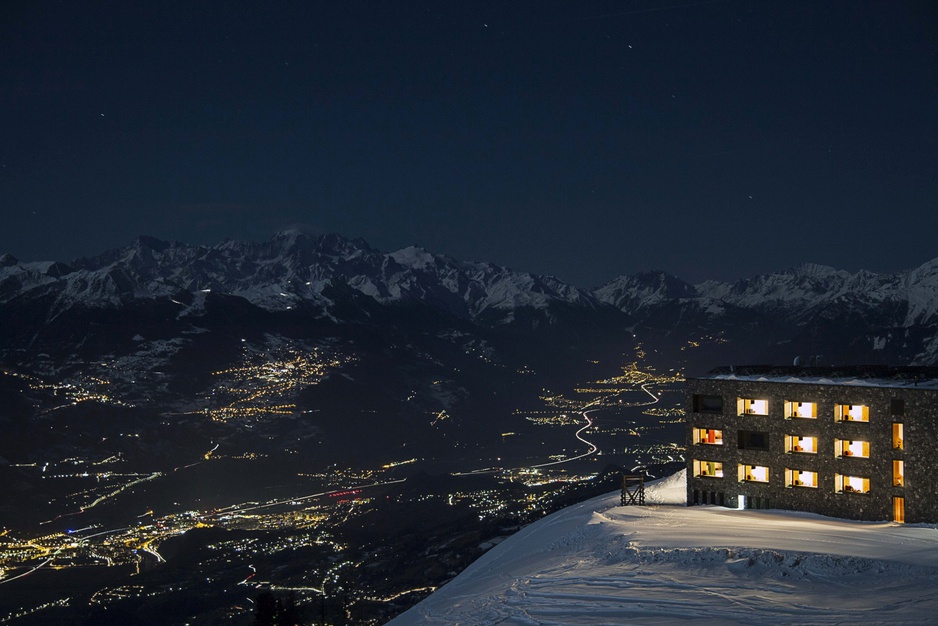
column 897, row 407
column 753, row 440
column 708, row 404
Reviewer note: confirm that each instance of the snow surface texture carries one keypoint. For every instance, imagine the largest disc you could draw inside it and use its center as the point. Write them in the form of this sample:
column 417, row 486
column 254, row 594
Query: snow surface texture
column 599, row 563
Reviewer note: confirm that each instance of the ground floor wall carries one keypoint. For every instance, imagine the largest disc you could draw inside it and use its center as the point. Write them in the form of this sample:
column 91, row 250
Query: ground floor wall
column 860, row 506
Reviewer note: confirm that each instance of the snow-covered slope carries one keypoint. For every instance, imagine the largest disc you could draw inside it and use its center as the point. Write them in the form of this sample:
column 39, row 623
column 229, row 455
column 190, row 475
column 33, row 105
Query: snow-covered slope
column 636, row 291
column 290, row 269
column 816, row 309
column 598, row 563
column 800, row 292
column 807, row 310
column 795, row 294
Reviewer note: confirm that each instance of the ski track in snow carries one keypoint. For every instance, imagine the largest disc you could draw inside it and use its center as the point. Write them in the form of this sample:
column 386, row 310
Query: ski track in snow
column 598, row 563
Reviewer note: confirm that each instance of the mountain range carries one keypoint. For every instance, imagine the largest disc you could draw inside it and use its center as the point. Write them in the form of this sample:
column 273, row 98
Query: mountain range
column 811, row 310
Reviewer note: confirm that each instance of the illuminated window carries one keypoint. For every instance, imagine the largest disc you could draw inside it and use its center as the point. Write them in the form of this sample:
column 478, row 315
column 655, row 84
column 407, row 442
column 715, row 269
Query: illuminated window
column 849, row 447
column 851, row 484
column 747, row 406
column 897, row 436
column 708, row 469
column 806, row 410
column 800, row 478
column 708, row 436
column 898, row 510
column 898, row 473
column 852, row 413
column 794, row 443
column 754, row 473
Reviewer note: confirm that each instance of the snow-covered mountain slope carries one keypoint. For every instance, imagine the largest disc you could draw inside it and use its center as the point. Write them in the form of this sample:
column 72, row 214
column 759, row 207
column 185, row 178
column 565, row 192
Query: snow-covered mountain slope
column 800, row 292
column 821, row 310
column 280, row 274
column 795, row 294
column 598, row 563
column 809, row 310
column 637, row 291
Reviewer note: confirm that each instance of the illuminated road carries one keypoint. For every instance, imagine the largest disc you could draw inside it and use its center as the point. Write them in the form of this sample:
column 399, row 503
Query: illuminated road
column 235, row 508
column 593, row 448
column 654, row 398
column 27, row 573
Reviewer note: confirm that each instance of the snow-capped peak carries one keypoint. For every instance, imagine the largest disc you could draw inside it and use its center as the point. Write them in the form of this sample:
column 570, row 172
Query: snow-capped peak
column 413, row 257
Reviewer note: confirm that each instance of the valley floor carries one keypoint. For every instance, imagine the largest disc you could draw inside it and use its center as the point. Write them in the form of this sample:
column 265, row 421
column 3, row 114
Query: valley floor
column 598, row 563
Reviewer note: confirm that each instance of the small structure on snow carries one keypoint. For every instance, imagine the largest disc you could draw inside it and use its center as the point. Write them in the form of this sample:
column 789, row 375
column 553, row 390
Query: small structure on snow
column 633, row 489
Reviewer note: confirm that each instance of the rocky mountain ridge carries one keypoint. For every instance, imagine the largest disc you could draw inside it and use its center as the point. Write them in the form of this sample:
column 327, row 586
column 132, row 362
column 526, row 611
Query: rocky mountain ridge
column 316, row 274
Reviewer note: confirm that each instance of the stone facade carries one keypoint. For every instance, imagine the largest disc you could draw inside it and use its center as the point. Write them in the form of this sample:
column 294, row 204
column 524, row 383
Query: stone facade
column 861, row 445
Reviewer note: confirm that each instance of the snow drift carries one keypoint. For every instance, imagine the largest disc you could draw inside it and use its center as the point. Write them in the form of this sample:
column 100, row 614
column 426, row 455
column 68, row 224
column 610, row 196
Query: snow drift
column 599, row 563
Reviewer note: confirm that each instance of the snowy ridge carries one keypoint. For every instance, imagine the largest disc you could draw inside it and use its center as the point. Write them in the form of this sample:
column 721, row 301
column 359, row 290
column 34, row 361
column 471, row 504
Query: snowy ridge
column 897, row 313
column 294, row 270
column 801, row 291
column 921, row 292
column 632, row 293
column 280, row 274
column 598, row 563
column 797, row 293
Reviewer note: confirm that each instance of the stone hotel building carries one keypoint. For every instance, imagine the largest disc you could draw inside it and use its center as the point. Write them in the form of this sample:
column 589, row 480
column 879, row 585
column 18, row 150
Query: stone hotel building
column 851, row 442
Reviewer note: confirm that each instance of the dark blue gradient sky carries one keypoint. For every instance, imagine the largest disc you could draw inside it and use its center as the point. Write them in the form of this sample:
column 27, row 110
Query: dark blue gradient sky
column 580, row 139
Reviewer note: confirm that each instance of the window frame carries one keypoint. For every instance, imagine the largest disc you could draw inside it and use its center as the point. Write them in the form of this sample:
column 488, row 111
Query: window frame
column 747, row 470
column 793, row 441
column 793, row 478
column 744, row 439
column 744, row 406
column 792, row 407
column 841, row 484
column 842, row 448
column 699, row 436
column 844, row 413
column 718, row 472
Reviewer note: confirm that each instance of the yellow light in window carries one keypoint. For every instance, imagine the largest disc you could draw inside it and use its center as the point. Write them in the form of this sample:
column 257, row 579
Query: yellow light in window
column 759, row 473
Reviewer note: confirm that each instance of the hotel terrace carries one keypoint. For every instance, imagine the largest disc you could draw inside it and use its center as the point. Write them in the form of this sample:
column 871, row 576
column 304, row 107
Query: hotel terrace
column 850, row 442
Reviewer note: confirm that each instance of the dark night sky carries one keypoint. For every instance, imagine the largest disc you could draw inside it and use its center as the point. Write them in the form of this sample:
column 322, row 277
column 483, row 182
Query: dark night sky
column 580, row 139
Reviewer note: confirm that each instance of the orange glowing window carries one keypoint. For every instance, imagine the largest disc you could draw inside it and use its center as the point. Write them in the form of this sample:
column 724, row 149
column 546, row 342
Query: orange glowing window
column 851, row 448
column 804, row 410
column 708, row 469
column 852, row 413
column 708, row 436
column 750, row 406
column 753, row 473
column 800, row 478
column 851, row 484
column 795, row 443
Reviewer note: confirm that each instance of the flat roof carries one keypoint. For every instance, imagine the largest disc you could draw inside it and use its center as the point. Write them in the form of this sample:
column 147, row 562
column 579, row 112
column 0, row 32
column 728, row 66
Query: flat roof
column 904, row 376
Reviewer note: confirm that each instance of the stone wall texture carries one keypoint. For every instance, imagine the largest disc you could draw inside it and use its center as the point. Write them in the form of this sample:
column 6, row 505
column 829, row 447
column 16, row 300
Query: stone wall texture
column 915, row 408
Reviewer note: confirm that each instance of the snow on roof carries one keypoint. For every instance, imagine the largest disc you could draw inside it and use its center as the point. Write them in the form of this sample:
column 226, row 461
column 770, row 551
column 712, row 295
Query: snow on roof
column 599, row 563
column 908, row 377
